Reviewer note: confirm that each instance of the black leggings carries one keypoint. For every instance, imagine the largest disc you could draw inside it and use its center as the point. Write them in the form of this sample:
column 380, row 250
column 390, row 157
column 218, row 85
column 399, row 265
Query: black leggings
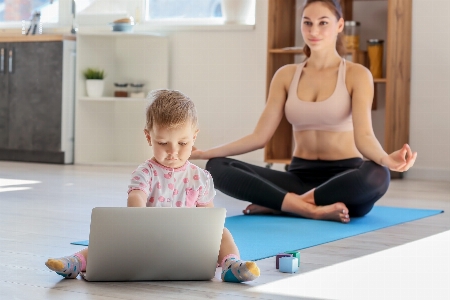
column 355, row 182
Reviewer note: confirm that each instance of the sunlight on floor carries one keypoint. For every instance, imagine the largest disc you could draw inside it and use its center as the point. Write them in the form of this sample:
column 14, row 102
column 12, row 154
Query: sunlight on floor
column 6, row 184
column 416, row 270
column 12, row 189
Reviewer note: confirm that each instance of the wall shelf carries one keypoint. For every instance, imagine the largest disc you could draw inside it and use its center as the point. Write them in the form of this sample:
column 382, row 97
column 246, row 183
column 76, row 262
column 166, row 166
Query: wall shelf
column 111, row 33
column 109, row 130
column 112, row 99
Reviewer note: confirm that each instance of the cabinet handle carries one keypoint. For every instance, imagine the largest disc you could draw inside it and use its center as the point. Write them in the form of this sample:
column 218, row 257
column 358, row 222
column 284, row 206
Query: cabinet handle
column 2, row 60
column 10, row 61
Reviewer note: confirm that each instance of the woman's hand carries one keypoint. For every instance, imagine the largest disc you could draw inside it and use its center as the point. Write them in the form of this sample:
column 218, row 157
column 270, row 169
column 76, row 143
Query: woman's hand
column 400, row 160
column 196, row 153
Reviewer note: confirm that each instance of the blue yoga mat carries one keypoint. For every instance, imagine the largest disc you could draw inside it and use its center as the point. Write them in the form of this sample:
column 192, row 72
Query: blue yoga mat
column 262, row 236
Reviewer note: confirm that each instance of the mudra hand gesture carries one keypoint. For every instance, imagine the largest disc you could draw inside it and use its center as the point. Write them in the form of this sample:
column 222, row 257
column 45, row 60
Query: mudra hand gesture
column 400, row 160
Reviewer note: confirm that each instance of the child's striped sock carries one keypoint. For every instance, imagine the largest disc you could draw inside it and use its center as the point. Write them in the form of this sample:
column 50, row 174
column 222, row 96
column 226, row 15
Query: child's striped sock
column 236, row 270
column 67, row 266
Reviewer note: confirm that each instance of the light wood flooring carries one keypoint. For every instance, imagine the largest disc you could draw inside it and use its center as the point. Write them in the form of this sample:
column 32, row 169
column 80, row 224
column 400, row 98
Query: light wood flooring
column 45, row 207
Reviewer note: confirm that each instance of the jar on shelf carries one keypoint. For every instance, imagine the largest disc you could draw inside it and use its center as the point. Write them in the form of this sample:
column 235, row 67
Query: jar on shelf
column 137, row 90
column 375, row 53
column 120, row 89
column 351, row 31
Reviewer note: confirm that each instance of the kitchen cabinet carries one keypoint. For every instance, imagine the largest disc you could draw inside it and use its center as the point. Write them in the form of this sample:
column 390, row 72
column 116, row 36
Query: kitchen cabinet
column 31, row 90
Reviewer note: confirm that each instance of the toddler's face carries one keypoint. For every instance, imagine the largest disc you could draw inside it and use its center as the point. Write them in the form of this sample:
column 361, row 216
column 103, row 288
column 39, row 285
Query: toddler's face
column 172, row 147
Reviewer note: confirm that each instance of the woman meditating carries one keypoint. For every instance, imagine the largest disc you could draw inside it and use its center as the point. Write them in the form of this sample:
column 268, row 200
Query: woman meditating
column 328, row 101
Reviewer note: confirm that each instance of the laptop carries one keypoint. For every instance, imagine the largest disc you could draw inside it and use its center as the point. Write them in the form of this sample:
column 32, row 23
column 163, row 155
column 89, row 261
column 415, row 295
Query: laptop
column 131, row 244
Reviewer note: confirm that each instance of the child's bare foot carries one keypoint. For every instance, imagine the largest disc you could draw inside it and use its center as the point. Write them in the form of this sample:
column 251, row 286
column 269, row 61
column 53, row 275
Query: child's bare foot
column 334, row 212
column 255, row 209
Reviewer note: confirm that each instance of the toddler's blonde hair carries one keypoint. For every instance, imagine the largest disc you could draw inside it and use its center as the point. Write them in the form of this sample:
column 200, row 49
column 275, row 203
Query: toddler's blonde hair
column 170, row 109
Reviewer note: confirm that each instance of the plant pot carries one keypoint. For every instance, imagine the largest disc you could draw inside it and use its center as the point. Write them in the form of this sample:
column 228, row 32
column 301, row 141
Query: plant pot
column 237, row 11
column 94, row 87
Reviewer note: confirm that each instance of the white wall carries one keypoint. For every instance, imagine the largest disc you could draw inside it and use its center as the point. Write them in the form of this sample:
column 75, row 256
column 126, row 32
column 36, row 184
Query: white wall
column 224, row 72
column 430, row 89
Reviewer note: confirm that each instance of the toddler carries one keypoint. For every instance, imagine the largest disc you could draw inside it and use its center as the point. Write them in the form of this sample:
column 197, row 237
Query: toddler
column 168, row 179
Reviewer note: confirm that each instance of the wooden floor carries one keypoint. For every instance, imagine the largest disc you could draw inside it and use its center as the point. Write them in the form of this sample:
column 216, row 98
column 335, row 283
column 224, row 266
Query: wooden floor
column 45, row 207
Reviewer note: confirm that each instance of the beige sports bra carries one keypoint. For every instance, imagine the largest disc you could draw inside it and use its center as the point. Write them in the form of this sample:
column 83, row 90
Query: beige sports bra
column 332, row 114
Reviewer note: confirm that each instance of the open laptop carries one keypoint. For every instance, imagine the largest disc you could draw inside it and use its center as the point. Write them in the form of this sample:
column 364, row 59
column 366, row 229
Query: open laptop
column 129, row 243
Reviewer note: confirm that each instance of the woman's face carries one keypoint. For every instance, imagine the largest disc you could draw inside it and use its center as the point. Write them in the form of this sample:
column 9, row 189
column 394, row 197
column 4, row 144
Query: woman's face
column 320, row 26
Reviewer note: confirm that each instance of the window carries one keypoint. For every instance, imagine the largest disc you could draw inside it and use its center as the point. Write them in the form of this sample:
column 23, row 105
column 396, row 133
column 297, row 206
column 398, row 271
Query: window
column 19, row 10
column 182, row 9
column 55, row 13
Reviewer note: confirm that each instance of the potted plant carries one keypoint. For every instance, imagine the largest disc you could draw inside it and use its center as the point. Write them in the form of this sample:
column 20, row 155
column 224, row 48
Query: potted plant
column 94, row 82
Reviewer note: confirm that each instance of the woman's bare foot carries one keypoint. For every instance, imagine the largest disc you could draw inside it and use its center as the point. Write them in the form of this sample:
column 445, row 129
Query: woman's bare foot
column 335, row 212
column 296, row 204
column 255, row 209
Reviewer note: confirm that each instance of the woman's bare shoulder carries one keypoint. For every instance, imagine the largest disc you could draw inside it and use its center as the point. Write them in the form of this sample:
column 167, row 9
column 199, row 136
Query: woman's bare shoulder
column 357, row 72
column 288, row 68
column 286, row 72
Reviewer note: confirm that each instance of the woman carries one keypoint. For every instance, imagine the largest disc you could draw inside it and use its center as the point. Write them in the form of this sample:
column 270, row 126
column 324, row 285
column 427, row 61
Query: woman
column 328, row 102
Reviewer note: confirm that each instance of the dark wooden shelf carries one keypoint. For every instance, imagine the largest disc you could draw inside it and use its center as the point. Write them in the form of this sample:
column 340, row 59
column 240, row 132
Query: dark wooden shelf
column 285, row 161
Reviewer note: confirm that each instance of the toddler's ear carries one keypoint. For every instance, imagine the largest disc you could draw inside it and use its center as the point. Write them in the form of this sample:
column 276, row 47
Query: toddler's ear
column 195, row 134
column 148, row 137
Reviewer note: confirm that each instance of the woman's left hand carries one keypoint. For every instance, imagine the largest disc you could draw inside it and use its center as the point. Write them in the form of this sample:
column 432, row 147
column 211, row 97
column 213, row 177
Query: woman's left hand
column 196, row 153
column 400, row 160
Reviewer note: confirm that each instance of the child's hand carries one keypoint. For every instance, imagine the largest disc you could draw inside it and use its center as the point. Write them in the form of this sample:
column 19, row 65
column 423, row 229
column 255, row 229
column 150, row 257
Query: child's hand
column 136, row 198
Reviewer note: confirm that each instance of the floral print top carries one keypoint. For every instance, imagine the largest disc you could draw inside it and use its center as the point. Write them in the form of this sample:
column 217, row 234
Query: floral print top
column 187, row 186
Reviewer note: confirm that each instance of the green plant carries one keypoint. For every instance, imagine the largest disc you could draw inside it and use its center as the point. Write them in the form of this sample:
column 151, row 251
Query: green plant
column 92, row 73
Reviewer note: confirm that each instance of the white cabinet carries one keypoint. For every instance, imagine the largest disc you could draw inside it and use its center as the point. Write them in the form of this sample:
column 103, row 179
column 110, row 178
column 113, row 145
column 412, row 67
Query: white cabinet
column 109, row 130
column 68, row 101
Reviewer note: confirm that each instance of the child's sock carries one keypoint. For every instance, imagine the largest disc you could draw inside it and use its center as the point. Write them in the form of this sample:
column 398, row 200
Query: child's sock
column 236, row 270
column 67, row 266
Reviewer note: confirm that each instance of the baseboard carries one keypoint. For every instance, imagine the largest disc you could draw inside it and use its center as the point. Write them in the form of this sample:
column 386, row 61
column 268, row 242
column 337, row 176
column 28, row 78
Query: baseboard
column 421, row 173
column 55, row 157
